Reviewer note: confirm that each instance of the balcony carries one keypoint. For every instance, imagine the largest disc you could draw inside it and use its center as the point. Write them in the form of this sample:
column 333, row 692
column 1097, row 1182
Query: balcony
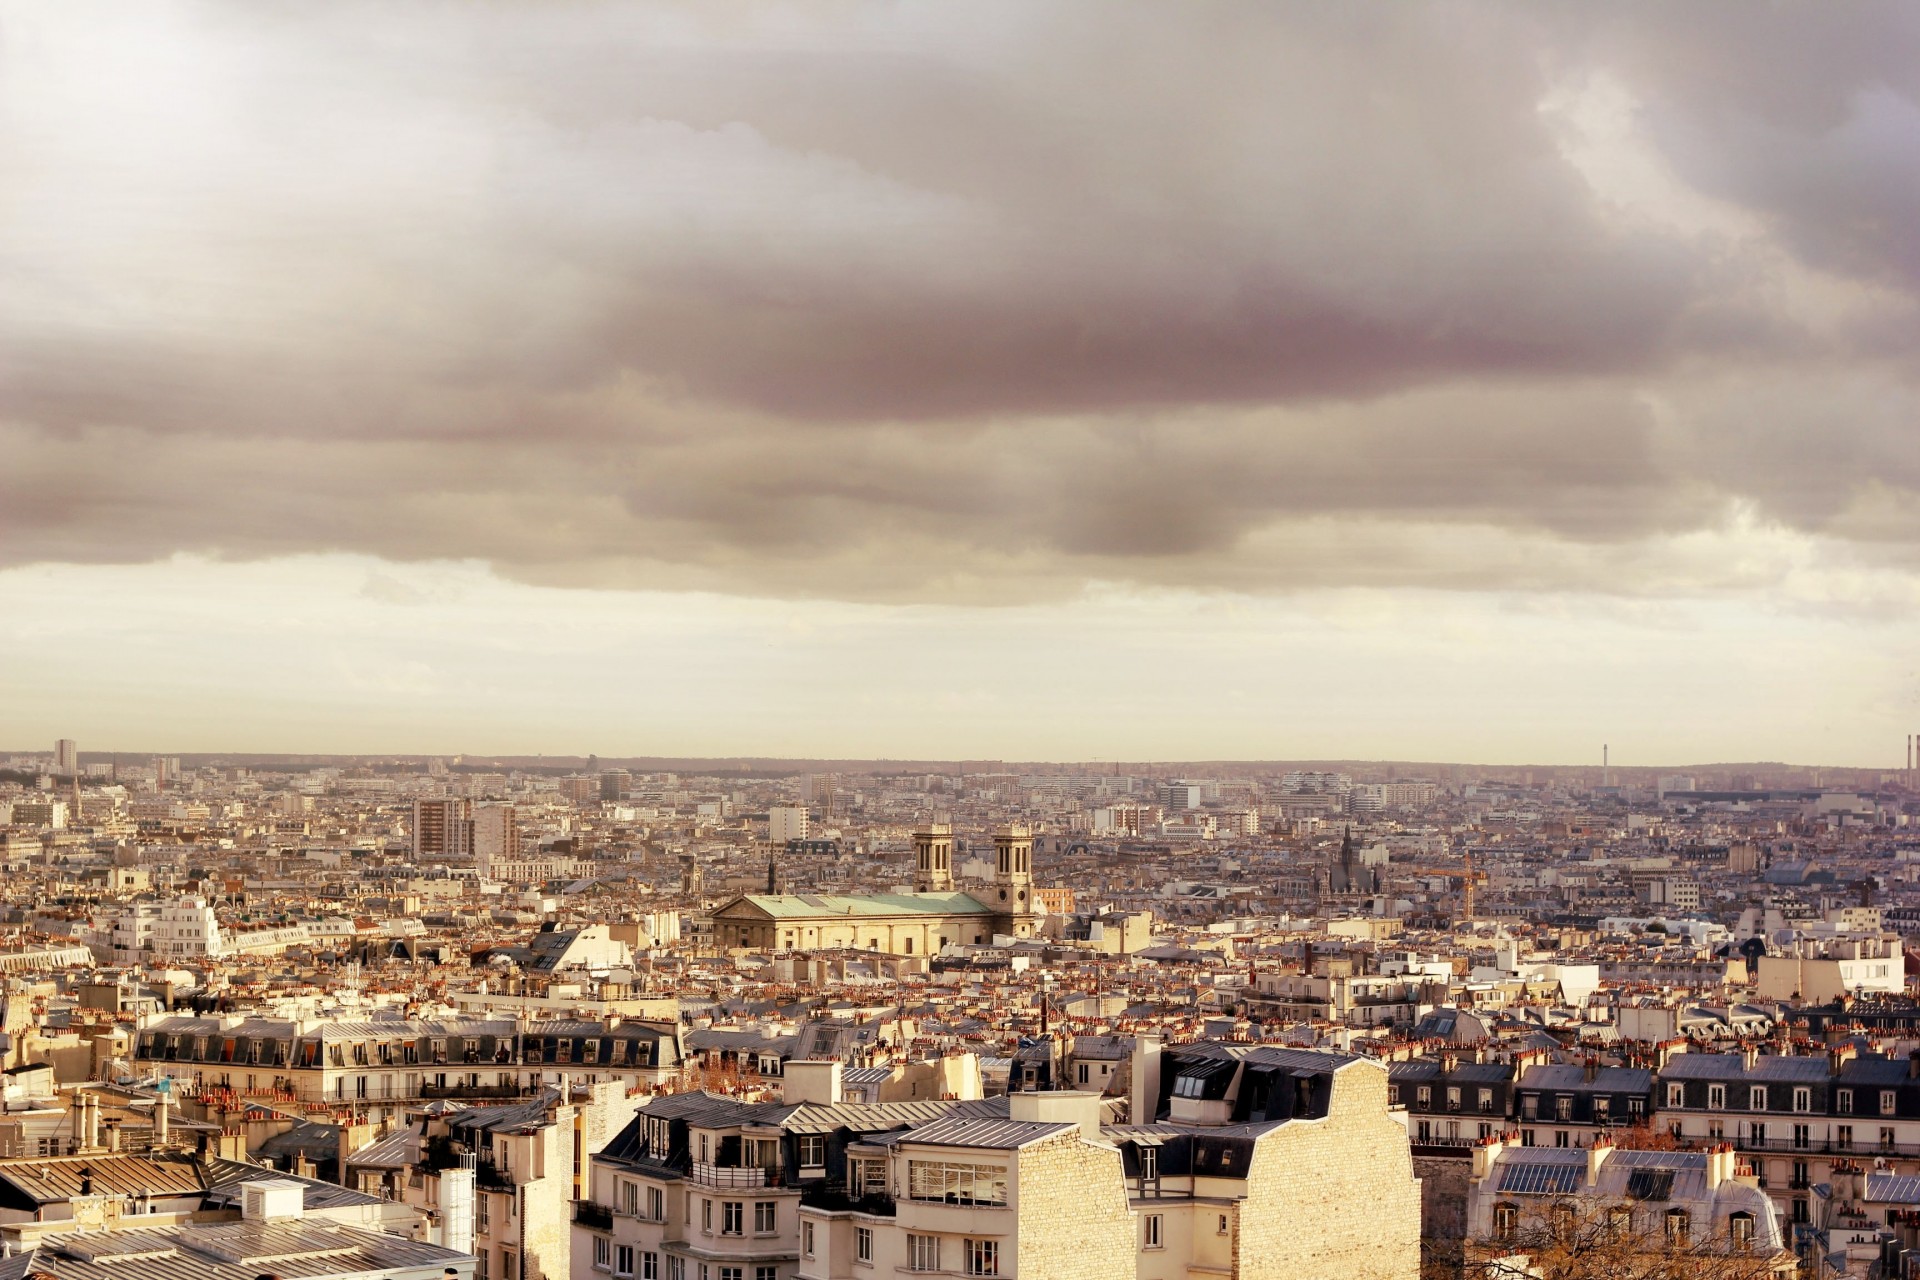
column 507, row 1091
column 732, row 1176
column 589, row 1214
column 833, row 1197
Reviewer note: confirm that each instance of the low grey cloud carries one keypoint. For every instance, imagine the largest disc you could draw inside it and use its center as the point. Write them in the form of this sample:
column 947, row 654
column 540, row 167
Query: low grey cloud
column 960, row 302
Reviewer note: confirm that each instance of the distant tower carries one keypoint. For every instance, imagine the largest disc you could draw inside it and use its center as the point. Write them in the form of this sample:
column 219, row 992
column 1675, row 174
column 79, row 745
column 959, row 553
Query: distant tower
column 773, row 876
column 1346, row 861
column 691, row 881
column 1013, row 878
column 1013, row 858
column 1606, row 768
column 66, row 757
column 933, row 858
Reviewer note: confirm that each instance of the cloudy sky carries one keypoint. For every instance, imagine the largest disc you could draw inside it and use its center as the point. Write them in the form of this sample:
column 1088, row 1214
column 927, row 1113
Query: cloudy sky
column 1097, row 380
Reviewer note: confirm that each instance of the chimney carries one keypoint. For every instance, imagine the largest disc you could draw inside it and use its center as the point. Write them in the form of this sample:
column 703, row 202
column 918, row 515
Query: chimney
column 1143, row 1097
column 161, row 1106
column 1589, row 1068
column 352, row 1138
column 1749, row 1053
column 90, row 1118
column 1722, row 1164
column 812, row 1081
column 1485, row 1152
column 1597, row 1156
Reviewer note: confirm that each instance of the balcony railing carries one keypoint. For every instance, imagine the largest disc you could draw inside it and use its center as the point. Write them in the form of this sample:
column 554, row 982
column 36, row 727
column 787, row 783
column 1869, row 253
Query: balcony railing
column 590, row 1214
column 719, row 1175
column 833, row 1197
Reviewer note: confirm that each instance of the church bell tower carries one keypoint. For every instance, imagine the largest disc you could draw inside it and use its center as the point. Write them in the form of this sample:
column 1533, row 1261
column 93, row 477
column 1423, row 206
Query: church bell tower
column 933, row 859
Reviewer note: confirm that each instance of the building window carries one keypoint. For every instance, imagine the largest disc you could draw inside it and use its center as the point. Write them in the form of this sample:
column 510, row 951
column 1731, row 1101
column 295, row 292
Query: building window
column 630, row 1199
column 813, row 1151
column 953, row 1183
column 806, row 1238
column 649, row 1266
column 983, row 1257
column 1740, row 1230
column 1149, row 1163
column 706, row 1216
column 1505, row 1218
column 1843, row 1102
column 656, row 1204
column 1620, row 1222
column 1393, row 1095
column 1223, row 1224
column 1563, row 1107
column 733, row 1217
column 863, row 1244
column 623, row 1262
column 602, row 1253
column 763, row 1217
column 676, row 1267
column 1803, row 1099
column 1156, row 1230
column 1453, row 1098
column 1424, row 1095
column 1757, row 1098
column 1887, row 1099
column 766, row 1273
column 1716, row 1097
column 1679, row 1228
column 1676, row 1094
column 923, row 1253
column 1486, row 1100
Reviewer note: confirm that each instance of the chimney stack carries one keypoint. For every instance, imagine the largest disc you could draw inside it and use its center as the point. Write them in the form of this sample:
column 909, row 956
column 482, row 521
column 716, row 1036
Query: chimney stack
column 1597, row 1156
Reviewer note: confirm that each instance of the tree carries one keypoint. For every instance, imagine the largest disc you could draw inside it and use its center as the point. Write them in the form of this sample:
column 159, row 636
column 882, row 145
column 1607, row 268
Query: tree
column 1587, row 1238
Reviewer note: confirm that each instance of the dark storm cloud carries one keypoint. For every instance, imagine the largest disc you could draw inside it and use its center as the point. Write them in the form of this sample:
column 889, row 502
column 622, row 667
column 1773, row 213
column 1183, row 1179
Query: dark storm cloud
column 916, row 301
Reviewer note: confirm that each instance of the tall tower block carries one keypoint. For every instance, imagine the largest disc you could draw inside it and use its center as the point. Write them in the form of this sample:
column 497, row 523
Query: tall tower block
column 933, row 858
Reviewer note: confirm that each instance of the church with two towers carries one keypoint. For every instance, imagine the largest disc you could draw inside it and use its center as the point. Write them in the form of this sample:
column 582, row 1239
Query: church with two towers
column 933, row 916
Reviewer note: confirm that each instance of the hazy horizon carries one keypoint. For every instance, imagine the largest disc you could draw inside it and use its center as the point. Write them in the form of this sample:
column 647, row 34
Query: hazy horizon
column 1058, row 379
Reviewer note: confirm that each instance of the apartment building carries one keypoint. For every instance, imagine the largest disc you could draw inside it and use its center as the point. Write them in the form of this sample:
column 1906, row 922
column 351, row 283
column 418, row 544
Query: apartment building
column 1028, row 1195
column 1523, row 1201
column 1236, row 1137
column 379, row 1068
column 701, row 1187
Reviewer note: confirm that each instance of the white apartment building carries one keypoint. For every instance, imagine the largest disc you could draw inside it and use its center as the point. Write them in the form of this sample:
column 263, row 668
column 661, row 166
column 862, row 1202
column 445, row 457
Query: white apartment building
column 786, row 822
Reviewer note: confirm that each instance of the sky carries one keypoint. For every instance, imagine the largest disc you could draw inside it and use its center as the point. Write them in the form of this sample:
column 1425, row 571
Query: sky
column 1475, row 382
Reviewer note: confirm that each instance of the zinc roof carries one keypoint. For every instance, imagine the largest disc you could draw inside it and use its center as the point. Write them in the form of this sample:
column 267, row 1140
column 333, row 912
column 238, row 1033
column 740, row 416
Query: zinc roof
column 795, row 906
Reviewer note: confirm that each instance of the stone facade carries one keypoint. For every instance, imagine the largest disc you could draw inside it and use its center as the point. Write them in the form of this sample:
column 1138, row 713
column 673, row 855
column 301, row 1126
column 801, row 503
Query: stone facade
column 1334, row 1196
column 1074, row 1220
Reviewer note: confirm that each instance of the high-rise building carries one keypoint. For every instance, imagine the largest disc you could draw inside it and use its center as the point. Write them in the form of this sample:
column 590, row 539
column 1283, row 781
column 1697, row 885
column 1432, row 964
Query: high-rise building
column 784, row 823
column 496, row 834
column 442, row 828
column 1182, row 795
column 66, row 757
